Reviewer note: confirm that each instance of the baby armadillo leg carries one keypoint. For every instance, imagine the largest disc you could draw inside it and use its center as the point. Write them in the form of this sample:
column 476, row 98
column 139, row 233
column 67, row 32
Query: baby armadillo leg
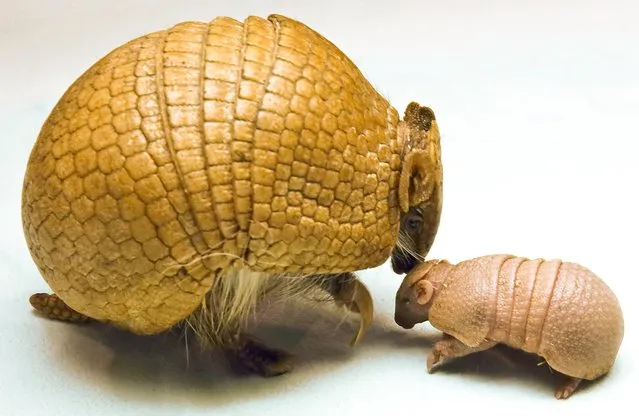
column 566, row 389
column 251, row 356
column 449, row 348
column 52, row 307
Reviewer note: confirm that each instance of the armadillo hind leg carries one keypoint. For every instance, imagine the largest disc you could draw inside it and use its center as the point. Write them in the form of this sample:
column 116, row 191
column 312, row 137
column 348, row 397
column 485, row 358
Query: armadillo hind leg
column 449, row 348
column 253, row 357
column 244, row 353
column 567, row 388
column 52, row 307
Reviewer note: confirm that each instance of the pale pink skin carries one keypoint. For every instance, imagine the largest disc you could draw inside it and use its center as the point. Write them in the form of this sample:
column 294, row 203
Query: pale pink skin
column 561, row 311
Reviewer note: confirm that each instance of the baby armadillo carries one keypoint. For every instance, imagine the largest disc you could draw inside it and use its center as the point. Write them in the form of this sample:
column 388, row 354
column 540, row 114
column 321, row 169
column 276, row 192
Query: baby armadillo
column 195, row 169
column 558, row 310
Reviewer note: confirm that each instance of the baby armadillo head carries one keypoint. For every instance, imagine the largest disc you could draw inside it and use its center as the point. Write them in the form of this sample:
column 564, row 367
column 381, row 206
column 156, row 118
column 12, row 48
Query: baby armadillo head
column 415, row 294
column 420, row 187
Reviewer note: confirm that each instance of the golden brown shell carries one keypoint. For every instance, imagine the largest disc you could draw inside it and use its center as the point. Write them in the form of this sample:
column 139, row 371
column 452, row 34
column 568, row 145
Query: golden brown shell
column 205, row 147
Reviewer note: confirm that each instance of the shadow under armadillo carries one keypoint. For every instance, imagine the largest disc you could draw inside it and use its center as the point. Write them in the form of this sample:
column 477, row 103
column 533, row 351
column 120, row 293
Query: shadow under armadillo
column 172, row 368
column 507, row 367
column 503, row 366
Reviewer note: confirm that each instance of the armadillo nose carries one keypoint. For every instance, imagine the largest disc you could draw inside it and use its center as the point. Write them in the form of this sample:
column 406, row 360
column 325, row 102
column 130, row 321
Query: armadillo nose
column 402, row 264
column 404, row 324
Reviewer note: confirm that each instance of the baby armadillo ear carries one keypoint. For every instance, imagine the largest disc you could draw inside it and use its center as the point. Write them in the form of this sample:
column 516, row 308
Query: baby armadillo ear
column 424, row 291
column 413, row 180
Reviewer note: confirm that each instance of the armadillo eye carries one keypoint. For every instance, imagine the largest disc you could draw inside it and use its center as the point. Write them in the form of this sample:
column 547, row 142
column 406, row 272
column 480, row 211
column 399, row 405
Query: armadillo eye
column 414, row 223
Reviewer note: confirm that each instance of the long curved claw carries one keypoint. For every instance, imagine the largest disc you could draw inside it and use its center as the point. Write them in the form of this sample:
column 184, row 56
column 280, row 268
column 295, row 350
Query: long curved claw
column 362, row 301
column 355, row 296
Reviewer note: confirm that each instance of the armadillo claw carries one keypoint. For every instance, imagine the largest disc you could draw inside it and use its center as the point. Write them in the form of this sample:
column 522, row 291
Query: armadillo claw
column 434, row 361
column 355, row 296
column 363, row 301
column 567, row 388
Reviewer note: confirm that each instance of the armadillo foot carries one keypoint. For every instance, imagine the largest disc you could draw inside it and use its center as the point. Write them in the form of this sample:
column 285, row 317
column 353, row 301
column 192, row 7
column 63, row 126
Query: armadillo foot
column 567, row 388
column 349, row 292
column 52, row 307
column 256, row 358
column 449, row 348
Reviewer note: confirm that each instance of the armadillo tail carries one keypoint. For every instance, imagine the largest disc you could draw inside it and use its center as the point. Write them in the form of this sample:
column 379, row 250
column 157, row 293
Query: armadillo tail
column 52, row 307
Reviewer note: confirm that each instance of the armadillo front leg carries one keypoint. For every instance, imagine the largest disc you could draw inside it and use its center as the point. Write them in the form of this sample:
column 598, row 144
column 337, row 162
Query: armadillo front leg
column 347, row 290
column 52, row 307
column 449, row 348
column 567, row 388
column 341, row 288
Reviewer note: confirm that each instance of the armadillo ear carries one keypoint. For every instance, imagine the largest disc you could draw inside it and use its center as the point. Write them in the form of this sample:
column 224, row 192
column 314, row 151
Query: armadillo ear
column 424, row 291
column 413, row 180
column 419, row 116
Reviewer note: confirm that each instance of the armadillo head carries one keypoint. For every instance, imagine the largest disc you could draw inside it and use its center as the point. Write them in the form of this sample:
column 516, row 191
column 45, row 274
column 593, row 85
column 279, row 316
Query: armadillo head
column 415, row 295
column 420, row 187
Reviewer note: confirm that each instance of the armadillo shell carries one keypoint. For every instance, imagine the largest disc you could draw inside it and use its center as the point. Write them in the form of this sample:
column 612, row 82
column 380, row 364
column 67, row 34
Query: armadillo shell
column 464, row 307
column 205, row 147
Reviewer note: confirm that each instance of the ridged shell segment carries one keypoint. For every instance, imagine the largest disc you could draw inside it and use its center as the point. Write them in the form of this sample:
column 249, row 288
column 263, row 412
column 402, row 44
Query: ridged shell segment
column 205, row 146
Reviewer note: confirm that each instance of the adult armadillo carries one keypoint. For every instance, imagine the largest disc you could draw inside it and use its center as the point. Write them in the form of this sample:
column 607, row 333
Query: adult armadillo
column 194, row 169
column 558, row 310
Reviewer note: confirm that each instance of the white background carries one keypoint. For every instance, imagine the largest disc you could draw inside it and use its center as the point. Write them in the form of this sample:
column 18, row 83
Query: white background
column 537, row 102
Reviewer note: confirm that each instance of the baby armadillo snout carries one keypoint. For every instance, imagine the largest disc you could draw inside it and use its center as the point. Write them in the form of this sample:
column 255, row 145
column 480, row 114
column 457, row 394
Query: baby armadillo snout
column 403, row 322
column 405, row 316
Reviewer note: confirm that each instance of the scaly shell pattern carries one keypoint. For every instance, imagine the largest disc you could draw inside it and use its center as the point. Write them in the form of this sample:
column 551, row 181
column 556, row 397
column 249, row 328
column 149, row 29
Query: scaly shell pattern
column 203, row 148
column 559, row 310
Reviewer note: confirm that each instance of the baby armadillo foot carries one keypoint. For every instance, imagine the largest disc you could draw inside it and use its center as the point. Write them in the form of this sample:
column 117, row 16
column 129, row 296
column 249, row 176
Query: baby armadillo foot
column 567, row 388
column 257, row 358
column 449, row 348
column 52, row 307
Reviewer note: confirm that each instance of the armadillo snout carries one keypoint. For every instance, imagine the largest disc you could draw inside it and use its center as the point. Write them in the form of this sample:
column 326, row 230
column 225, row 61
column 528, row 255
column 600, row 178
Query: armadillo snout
column 402, row 263
column 404, row 323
